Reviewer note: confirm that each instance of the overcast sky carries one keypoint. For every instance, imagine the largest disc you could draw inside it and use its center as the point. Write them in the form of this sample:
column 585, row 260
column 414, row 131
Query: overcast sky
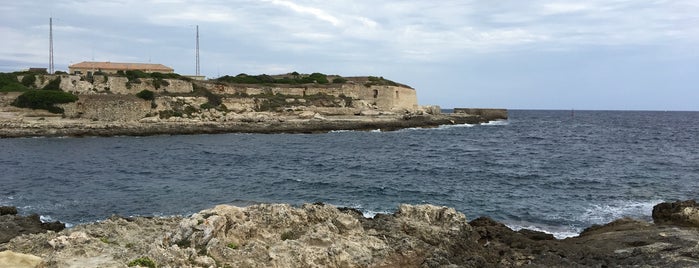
column 534, row 54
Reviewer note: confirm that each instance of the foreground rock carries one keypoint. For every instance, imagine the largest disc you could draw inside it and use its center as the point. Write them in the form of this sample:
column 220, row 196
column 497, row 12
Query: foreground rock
column 12, row 225
column 317, row 235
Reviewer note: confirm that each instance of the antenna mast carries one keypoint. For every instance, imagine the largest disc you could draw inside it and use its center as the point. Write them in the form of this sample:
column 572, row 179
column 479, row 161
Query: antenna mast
column 197, row 50
column 50, row 45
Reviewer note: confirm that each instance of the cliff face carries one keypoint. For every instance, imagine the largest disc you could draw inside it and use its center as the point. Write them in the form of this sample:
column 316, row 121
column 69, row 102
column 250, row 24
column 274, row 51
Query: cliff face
column 317, row 235
column 101, row 97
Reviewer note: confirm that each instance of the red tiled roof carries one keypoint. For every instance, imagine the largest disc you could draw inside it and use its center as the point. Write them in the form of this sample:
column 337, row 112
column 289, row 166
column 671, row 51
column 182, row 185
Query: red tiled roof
column 121, row 66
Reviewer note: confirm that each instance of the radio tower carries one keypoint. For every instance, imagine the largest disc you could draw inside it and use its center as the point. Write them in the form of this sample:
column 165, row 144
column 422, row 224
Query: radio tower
column 50, row 45
column 197, row 50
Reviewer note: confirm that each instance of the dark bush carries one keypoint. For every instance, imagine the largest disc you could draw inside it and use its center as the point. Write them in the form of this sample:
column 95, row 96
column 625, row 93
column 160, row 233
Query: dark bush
column 9, row 82
column 55, row 85
column 146, row 95
column 319, row 78
column 339, row 80
column 132, row 76
column 29, row 80
column 214, row 100
column 14, row 87
column 44, row 99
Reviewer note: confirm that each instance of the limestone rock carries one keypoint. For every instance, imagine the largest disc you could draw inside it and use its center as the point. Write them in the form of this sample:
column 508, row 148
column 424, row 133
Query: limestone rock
column 680, row 213
column 307, row 114
column 369, row 112
column 152, row 119
column 318, row 235
column 11, row 259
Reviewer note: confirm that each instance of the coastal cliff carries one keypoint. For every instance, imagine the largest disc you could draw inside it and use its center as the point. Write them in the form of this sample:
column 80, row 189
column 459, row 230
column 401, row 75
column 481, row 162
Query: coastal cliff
column 318, row 235
column 151, row 104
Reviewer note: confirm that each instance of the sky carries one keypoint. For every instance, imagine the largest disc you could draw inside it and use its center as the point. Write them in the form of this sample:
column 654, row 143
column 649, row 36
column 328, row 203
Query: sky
column 534, row 54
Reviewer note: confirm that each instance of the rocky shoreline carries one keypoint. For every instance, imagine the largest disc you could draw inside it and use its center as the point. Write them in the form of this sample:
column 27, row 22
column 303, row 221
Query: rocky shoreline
column 318, row 235
column 253, row 123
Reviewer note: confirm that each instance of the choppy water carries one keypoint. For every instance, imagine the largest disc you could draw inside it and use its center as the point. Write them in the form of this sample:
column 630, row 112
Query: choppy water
column 546, row 170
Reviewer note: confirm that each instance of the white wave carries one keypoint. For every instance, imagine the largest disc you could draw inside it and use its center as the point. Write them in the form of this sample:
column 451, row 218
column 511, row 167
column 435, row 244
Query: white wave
column 376, row 130
column 559, row 232
column 455, row 126
column 605, row 213
column 366, row 212
column 45, row 219
column 496, row 123
column 340, row 131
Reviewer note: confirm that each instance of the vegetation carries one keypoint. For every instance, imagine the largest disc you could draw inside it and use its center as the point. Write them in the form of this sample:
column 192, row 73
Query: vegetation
column 142, row 261
column 55, row 85
column 213, row 99
column 146, row 95
column 136, row 74
column 232, row 245
column 9, row 82
column 339, row 80
column 292, row 78
column 28, row 80
column 380, row 81
column 44, row 99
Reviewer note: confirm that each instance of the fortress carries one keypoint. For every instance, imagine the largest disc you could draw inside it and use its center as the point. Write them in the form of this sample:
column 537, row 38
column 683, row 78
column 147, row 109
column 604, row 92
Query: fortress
column 109, row 97
column 140, row 103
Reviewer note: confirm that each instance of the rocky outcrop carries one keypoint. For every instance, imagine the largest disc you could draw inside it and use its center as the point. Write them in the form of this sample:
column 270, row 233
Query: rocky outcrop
column 258, row 122
column 680, row 213
column 318, row 235
column 12, row 225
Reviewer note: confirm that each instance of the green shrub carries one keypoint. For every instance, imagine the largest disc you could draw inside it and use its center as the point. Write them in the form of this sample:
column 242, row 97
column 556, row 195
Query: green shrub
column 29, row 80
column 133, row 76
column 380, row 81
column 142, row 261
column 295, row 78
column 232, row 245
column 339, row 80
column 55, row 84
column 13, row 87
column 146, row 95
column 213, row 99
column 319, row 78
column 44, row 99
column 9, row 82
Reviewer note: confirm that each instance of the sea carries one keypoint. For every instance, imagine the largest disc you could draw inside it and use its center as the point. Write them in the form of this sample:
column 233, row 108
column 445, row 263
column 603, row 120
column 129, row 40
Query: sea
column 553, row 171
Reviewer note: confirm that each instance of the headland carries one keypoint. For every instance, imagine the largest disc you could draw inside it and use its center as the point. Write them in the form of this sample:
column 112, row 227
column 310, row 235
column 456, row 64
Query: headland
column 138, row 104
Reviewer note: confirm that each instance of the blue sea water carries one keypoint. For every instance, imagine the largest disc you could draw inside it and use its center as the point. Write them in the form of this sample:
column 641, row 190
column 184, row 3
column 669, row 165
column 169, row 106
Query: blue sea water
column 555, row 171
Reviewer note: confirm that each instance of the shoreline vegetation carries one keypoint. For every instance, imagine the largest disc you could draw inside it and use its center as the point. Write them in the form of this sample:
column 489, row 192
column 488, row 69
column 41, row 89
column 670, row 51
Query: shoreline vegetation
column 280, row 235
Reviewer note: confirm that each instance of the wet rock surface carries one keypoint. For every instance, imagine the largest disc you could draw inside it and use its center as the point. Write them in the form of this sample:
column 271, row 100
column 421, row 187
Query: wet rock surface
column 318, row 235
column 12, row 224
